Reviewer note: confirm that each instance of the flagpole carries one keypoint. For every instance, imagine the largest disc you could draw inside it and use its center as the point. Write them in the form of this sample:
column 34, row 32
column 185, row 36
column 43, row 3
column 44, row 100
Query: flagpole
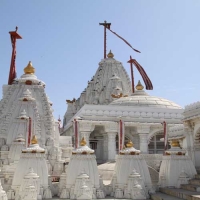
column 106, row 25
column 14, row 36
column 132, row 76
column 76, row 133
column 105, row 41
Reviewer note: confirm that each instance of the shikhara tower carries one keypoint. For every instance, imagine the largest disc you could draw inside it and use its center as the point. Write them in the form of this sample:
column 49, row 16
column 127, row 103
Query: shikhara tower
column 23, row 100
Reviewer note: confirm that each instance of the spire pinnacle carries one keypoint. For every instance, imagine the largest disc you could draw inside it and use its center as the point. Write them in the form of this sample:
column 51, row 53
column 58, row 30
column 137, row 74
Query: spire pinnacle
column 34, row 140
column 29, row 69
column 129, row 144
column 110, row 54
column 83, row 142
column 139, row 86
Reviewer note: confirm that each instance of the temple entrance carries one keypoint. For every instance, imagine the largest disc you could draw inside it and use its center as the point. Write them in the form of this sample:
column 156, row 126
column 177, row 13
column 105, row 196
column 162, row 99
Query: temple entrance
column 99, row 143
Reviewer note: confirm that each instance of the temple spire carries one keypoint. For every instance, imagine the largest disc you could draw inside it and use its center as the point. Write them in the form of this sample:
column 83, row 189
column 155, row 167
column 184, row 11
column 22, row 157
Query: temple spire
column 12, row 74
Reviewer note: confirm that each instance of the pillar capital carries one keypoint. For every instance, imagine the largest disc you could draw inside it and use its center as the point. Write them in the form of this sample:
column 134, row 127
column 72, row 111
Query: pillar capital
column 143, row 136
column 111, row 127
column 85, row 126
column 143, row 129
column 111, row 134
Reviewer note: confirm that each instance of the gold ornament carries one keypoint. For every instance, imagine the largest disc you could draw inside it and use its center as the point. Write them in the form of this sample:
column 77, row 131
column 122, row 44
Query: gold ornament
column 83, row 142
column 110, row 54
column 129, row 144
column 175, row 143
column 29, row 69
column 139, row 86
column 34, row 140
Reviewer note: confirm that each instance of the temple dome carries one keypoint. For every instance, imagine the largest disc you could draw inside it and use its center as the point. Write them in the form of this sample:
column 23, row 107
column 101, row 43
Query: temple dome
column 141, row 99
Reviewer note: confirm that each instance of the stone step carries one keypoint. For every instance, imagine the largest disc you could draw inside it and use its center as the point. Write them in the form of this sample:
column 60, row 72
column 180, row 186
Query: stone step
column 194, row 181
column 162, row 196
column 191, row 187
column 180, row 193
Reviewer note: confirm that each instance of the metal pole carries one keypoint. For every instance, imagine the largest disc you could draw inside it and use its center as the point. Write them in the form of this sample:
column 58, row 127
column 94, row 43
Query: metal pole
column 106, row 25
column 105, row 41
column 132, row 76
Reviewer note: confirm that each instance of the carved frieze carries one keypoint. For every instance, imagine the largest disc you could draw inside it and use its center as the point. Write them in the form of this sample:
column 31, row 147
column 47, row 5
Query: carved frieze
column 143, row 129
column 111, row 127
column 86, row 126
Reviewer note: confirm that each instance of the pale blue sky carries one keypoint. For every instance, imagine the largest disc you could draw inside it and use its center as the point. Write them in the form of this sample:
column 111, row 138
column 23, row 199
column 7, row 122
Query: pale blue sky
column 64, row 41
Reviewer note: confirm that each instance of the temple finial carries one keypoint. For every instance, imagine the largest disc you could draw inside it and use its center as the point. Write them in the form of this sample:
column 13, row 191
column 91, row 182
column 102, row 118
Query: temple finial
column 29, row 69
column 139, row 86
column 129, row 144
column 175, row 143
column 110, row 54
column 83, row 142
column 34, row 140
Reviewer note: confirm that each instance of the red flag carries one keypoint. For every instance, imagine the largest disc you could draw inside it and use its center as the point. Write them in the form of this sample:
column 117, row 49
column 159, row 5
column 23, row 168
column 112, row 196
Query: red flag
column 145, row 77
column 108, row 27
column 76, row 137
column 121, row 134
column 13, row 36
column 29, row 131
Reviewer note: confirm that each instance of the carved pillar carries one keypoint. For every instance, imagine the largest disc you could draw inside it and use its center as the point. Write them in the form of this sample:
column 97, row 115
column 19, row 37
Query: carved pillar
column 111, row 129
column 189, row 141
column 111, row 146
column 143, row 132
column 105, row 147
column 99, row 151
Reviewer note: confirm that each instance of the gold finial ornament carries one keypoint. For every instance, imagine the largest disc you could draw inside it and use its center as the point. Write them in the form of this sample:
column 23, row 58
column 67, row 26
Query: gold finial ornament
column 139, row 86
column 175, row 143
column 129, row 144
column 29, row 69
column 117, row 96
column 34, row 140
column 110, row 54
column 83, row 142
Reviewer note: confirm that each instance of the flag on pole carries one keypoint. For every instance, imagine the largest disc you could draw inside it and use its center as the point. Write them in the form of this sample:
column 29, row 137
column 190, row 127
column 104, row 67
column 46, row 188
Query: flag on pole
column 76, row 136
column 29, row 131
column 121, row 134
column 108, row 27
column 145, row 77
column 12, row 74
